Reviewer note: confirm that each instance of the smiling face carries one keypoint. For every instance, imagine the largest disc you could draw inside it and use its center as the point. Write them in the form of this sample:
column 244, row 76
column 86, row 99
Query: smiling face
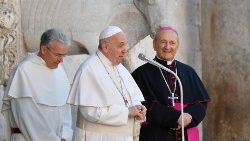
column 166, row 44
column 54, row 54
column 114, row 48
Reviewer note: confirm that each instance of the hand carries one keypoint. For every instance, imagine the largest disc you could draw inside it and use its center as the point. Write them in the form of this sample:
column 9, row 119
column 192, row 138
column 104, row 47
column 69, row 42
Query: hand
column 133, row 111
column 142, row 110
column 187, row 119
column 178, row 128
column 137, row 112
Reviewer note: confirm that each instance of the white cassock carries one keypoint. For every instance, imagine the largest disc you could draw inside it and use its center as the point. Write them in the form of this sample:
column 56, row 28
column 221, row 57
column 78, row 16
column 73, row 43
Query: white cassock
column 35, row 102
column 97, row 89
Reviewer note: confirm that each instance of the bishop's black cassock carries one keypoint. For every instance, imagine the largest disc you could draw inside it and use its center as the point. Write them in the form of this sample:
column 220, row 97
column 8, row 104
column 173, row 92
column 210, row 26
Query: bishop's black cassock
column 161, row 115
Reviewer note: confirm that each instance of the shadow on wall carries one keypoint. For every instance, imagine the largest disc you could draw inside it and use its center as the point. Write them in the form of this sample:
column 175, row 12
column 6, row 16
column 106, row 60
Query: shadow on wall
column 77, row 48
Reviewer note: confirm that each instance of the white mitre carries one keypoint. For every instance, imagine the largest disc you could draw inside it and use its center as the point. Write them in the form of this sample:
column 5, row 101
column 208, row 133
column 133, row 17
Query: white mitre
column 109, row 31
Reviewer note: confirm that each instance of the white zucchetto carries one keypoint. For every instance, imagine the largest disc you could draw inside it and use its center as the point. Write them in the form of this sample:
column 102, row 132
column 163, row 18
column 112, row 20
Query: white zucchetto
column 109, row 31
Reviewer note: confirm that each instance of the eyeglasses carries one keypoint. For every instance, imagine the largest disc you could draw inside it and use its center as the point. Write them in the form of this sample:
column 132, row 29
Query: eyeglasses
column 56, row 55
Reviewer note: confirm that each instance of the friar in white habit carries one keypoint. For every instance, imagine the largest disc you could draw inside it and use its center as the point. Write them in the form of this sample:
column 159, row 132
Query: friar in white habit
column 109, row 99
column 36, row 95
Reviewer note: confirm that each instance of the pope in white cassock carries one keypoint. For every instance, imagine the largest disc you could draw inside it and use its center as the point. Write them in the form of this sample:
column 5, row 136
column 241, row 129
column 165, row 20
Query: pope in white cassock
column 35, row 98
column 109, row 100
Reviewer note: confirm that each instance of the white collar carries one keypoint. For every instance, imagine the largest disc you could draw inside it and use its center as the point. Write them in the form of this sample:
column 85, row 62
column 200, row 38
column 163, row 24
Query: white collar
column 168, row 62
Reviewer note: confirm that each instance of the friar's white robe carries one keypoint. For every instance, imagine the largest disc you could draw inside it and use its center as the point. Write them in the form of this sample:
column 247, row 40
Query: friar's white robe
column 102, row 113
column 35, row 101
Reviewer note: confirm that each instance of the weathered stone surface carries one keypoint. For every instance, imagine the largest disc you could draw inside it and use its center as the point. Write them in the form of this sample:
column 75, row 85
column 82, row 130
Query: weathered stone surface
column 9, row 38
column 72, row 63
column 82, row 20
column 226, row 57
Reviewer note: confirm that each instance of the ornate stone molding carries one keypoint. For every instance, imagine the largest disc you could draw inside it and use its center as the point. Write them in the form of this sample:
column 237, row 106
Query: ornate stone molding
column 9, row 41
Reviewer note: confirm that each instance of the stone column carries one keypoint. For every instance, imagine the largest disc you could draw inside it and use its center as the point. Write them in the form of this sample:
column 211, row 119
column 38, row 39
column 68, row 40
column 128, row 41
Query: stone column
column 226, row 68
column 10, row 50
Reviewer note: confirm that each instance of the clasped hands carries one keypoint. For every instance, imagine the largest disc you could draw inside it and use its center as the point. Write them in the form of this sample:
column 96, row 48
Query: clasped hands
column 187, row 119
column 138, row 112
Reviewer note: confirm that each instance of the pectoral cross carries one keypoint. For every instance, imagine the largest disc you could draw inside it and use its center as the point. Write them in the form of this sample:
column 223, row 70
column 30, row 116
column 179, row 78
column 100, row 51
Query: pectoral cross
column 172, row 97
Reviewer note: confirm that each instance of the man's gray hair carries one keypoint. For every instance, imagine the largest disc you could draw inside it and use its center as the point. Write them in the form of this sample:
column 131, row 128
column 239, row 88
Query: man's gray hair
column 101, row 41
column 53, row 34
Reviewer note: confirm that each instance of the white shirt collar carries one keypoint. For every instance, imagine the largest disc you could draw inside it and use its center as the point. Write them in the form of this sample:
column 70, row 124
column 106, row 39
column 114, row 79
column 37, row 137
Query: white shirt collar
column 168, row 62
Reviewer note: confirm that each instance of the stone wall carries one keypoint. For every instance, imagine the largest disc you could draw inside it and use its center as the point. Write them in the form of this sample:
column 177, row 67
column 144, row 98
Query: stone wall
column 226, row 68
